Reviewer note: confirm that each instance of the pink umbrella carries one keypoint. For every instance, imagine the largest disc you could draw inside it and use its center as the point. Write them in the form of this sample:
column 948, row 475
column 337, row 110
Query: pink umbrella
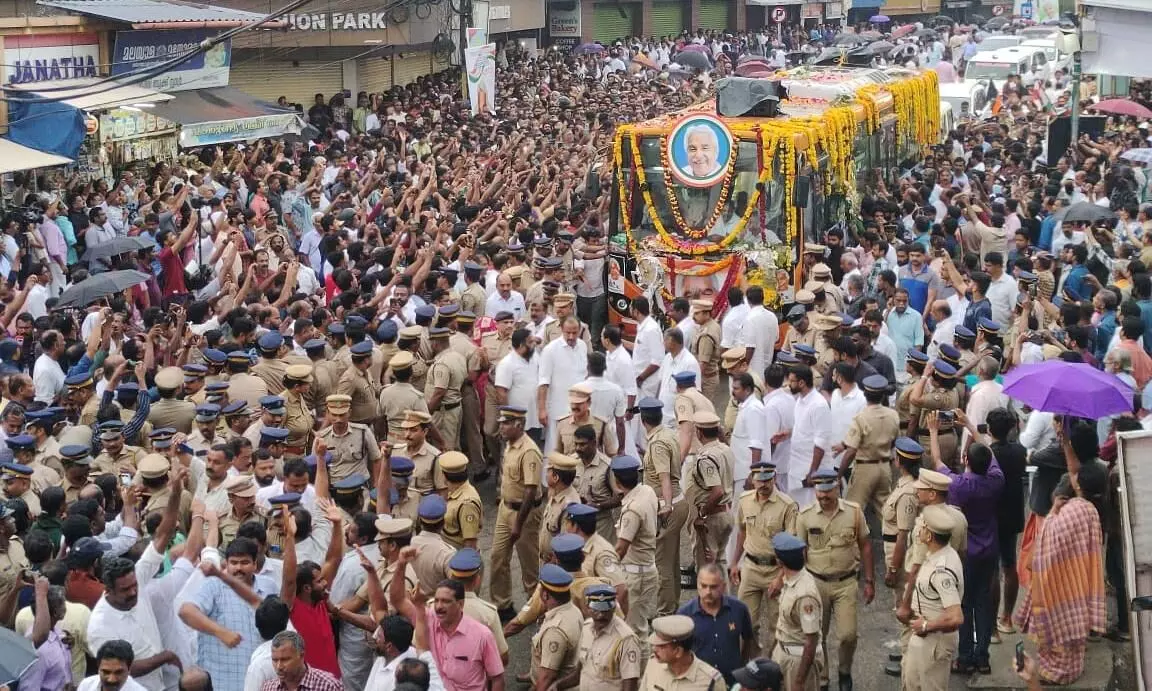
column 1122, row 106
column 901, row 31
column 696, row 48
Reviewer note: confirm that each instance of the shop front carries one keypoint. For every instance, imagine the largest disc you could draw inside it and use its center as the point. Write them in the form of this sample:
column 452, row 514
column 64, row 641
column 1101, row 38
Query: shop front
column 715, row 15
column 812, row 14
column 668, row 18
column 564, row 29
column 52, row 57
column 130, row 138
column 910, row 9
column 861, row 10
column 613, row 21
column 833, row 12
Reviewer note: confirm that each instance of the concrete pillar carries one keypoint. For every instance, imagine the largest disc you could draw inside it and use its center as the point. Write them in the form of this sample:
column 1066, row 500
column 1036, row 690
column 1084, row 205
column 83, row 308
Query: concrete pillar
column 740, row 14
column 587, row 20
column 645, row 18
column 351, row 81
column 694, row 15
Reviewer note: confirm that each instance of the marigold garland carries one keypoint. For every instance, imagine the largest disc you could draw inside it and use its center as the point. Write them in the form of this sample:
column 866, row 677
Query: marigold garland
column 674, row 201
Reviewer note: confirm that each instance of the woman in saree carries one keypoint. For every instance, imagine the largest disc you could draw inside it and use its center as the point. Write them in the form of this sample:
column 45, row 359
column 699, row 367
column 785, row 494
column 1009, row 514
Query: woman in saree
column 1066, row 601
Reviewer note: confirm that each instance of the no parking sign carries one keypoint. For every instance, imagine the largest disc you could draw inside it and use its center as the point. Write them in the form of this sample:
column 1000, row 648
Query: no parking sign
column 779, row 14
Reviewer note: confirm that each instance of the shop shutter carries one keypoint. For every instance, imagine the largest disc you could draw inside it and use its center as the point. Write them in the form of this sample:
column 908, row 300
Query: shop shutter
column 714, row 14
column 614, row 22
column 411, row 66
column 374, row 74
column 668, row 18
column 299, row 82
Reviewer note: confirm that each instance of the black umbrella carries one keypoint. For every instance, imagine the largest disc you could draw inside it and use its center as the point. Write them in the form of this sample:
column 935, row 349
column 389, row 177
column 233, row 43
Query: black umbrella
column 996, row 23
column 102, row 285
column 117, row 245
column 926, row 33
column 941, row 19
column 850, row 39
column 16, row 655
column 690, row 58
column 977, row 19
column 1087, row 212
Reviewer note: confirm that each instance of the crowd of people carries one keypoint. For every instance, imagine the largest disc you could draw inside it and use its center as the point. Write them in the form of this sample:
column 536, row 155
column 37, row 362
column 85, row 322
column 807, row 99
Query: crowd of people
column 270, row 464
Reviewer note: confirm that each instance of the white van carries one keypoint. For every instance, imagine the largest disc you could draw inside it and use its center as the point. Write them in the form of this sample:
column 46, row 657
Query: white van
column 967, row 99
column 998, row 65
column 1057, row 60
column 947, row 120
column 998, row 41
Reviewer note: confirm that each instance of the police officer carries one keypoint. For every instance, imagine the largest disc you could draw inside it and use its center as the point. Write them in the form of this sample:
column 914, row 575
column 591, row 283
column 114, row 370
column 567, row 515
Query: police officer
column 898, row 516
column 466, row 566
column 689, row 401
column 386, row 349
column 673, row 665
column 170, row 411
column 356, row 383
column 735, row 362
column 567, row 552
column 298, row 417
column 636, row 541
column 951, row 354
column 12, row 559
column 556, row 644
column 471, row 414
column 270, row 368
column 77, row 464
column 242, row 497
column 215, row 359
column 207, row 421
column 464, row 512
column 709, row 490
column 393, row 535
column 914, row 369
column 798, row 648
column 838, row 550
column 410, row 341
column 518, row 517
column 868, row 442
column 580, row 403
column 564, row 307
column 434, row 554
column 474, row 297
column 23, row 447
column 353, row 446
column 559, row 476
column 600, row 558
column 428, row 476
column 348, row 495
column 942, row 395
column 80, row 390
column 400, row 396
column 761, row 514
column 936, row 606
column 156, row 490
column 404, row 501
column 609, row 653
column 118, row 457
column 662, row 473
column 443, row 389
column 325, row 372
column 496, row 344
column 272, row 412
column 705, row 347
column 17, row 481
column 592, row 481
column 236, row 417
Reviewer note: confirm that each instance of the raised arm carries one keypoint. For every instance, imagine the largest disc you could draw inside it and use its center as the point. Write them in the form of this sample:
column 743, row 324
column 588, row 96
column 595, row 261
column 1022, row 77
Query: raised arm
column 288, row 574
column 402, row 604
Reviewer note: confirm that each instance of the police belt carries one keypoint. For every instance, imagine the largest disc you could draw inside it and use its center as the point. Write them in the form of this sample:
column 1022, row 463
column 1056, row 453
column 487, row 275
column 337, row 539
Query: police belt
column 797, row 650
column 889, row 538
column 515, row 505
column 835, row 579
column 296, row 450
column 943, row 430
column 761, row 561
column 867, row 461
column 638, row 568
column 450, row 406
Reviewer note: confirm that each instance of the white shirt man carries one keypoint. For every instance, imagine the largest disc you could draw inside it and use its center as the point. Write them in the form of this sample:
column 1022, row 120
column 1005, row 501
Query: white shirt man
column 47, row 379
column 514, row 303
column 138, row 625
column 1039, row 431
column 732, row 324
column 747, row 434
column 383, row 674
column 93, row 683
column 561, row 367
column 307, row 499
column 761, row 329
column 843, row 407
column 945, row 332
column 621, row 372
column 520, row 377
column 687, row 327
column 1002, row 294
column 36, row 301
column 670, row 366
column 608, row 400
column 812, row 422
column 648, row 350
column 986, row 396
column 779, row 416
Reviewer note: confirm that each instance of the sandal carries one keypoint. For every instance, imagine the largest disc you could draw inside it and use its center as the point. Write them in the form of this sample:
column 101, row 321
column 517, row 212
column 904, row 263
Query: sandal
column 959, row 667
column 1005, row 627
column 984, row 669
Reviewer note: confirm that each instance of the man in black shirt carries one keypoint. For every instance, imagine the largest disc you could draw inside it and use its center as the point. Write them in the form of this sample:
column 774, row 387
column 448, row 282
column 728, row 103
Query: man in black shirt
column 846, row 351
column 1013, row 460
column 862, row 337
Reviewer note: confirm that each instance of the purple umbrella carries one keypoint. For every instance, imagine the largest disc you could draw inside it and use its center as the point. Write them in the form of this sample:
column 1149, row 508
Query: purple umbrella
column 879, row 19
column 1069, row 388
column 588, row 49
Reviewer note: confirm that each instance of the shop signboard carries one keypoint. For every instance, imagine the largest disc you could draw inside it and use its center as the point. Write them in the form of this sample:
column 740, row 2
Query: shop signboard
column 833, row 10
column 119, row 124
column 564, row 23
column 141, row 50
column 46, row 58
column 246, row 129
column 338, row 21
column 812, row 10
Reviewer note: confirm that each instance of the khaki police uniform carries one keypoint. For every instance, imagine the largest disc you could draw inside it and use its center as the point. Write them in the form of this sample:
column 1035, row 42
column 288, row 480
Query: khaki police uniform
column 557, row 644
column 663, row 456
column 638, row 525
column 495, row 349
column 89, row 410
column 608, row 657
column 325, row 378
column 396, row 398
column 386, row 572
column 937, row 398
column 834, row 561
column 44, row 477
column 899, row 515
column 553, row 519
column 705, row 347
column 903, row 405
column 431, row 562
column 700, row 676
column 123, row 462
column 407, row 506
column 464, row 517
column 872, row 432
column 918, row 551
column 760, row 521
column 485, row 612
column 230, row 523
column 473, row 299
column 939, row 585
column 520, row 469
column 47, row 456
column 471, row 414
column 428, row 477
column 271, row 372
column 448, row 371
column 242, row 386
column 358, row 384
column 593, row 484
column 555, row 329
column 712, row 468
column 299, row 421
column 30, row 500
column 801, row 612
column 601, row 561
column 355, row 451
column 72, row 492
column 12, row 562
column 566, row 434
column 169, row 412
column 795, row 336
column 534, row 608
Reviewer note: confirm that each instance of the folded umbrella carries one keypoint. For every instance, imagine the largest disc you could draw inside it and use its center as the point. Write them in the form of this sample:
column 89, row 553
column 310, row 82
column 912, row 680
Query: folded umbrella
column 1137, row 155
column 16, row 655
column 1069, row 388
column 879, row 19
column 99, row 286
column 1087, row 212
column 117, row 245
